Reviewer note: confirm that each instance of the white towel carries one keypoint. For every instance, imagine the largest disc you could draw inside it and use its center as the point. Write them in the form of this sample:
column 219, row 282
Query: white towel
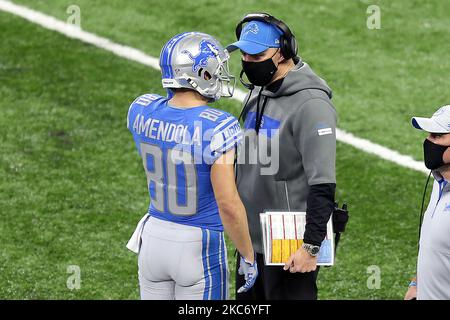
column 135, row 240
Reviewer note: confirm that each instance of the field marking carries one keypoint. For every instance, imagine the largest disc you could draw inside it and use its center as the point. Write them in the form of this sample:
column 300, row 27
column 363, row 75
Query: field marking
column 74, row 32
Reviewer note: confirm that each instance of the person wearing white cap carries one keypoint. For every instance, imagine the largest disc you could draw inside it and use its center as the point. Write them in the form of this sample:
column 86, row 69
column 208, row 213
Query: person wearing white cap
column 433, row 265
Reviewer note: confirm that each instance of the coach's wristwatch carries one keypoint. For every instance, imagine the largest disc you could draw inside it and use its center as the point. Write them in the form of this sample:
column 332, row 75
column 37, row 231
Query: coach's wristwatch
column 311, row 249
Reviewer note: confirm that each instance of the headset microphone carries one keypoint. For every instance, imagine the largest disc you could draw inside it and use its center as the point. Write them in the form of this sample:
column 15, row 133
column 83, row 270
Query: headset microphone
column 249, row 86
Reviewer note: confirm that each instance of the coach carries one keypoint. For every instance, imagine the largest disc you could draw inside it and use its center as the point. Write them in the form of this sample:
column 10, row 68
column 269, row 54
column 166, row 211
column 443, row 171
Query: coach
column 433, row 263
column 288, row 111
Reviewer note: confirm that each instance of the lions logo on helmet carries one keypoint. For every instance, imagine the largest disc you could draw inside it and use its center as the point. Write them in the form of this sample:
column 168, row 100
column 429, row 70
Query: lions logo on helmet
column 196, row 61
column 207, row 50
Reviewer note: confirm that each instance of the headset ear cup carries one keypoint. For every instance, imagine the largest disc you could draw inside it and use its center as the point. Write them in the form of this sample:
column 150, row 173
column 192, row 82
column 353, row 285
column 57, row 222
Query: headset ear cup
column 238, row 30
column 283, row 47
column 294, row 46
column 286, row 48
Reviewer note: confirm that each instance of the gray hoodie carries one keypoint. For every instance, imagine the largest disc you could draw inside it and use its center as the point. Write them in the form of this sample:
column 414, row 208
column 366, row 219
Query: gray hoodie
column 299, row 116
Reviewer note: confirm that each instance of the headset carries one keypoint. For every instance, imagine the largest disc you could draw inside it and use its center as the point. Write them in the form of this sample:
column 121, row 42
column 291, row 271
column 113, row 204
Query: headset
column 288, row 43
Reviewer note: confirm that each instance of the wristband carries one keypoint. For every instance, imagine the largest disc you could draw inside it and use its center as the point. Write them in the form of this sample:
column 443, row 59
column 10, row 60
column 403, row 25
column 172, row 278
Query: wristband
column 412, row 284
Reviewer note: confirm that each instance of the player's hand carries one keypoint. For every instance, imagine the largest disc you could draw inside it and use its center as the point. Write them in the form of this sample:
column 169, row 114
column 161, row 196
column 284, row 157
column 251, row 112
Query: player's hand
column 250, row 272
column 301, row 261
column 411, row 294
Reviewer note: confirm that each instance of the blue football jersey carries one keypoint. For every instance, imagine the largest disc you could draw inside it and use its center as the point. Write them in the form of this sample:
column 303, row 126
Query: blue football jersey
column 178, row 146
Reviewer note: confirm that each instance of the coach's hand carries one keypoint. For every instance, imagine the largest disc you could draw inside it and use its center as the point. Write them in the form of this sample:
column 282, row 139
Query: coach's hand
column 250, row 272
column 301, row 261
column 411, row 294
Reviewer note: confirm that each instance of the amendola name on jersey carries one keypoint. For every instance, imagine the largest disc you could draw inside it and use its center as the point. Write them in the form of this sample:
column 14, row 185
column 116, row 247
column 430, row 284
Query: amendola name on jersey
column 178, row 147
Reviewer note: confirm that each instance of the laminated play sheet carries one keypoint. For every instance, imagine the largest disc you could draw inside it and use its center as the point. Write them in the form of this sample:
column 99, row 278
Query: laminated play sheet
column 283, row 235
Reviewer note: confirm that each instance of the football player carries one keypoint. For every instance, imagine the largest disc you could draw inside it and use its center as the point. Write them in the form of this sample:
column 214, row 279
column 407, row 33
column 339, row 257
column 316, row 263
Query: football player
column 187, row 149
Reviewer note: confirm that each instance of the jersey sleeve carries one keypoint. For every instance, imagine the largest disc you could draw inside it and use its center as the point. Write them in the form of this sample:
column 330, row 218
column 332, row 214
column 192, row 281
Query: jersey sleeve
column 226, row 135
column 134, row 114
column 136, row 107
column 132, row 119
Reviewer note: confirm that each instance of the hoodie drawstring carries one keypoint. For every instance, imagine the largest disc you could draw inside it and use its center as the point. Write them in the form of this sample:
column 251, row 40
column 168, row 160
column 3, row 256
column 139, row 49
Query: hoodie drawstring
column 260, row 114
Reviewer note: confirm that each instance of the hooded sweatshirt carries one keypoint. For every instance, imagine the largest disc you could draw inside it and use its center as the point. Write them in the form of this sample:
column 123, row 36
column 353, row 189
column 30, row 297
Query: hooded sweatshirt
column 287, row 159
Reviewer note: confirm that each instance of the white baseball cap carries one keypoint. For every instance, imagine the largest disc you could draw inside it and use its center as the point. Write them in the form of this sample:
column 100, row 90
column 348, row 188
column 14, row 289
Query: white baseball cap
column 438, row 123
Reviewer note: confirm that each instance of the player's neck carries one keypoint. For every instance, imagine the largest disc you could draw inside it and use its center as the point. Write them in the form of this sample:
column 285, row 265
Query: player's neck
column 187, row 99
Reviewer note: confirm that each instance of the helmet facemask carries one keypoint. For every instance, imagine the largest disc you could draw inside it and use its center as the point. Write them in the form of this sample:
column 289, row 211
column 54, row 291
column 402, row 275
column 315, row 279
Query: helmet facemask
column 227, row 80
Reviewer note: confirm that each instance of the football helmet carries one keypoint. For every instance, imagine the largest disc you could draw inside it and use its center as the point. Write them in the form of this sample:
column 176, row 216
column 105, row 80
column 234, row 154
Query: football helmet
column 196, row 61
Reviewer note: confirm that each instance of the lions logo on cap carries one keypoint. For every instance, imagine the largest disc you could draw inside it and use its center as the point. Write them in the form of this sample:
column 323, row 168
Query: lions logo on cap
column 207, row 50
column 251, row 27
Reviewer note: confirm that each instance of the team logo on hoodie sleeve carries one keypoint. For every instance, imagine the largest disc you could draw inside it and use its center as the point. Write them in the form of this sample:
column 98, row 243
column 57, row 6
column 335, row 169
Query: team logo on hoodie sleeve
column 323, row 129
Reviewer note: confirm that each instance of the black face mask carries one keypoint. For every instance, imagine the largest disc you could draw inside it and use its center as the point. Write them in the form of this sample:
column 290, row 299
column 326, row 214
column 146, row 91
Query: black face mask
column 433, row 154
column 260, row 73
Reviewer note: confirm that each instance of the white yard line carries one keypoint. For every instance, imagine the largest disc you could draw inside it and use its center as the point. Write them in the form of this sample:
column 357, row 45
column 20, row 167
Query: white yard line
column 133, row 54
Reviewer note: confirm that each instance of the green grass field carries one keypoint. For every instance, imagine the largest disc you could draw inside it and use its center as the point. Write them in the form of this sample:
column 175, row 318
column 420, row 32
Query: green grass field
column 72, row 188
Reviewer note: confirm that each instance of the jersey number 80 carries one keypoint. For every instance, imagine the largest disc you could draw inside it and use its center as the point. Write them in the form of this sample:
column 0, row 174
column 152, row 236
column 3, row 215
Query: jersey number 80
column 156, row 176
